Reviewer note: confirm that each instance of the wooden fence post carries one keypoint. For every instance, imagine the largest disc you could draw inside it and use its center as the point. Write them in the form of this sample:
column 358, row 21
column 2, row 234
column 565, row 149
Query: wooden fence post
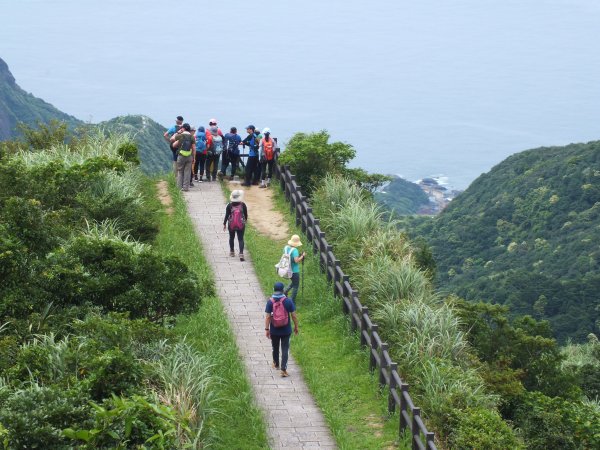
column 363, row 325
column 403, row 406
column 353, row 299
column 416, row 412
column 391, row 401
column 383, row 366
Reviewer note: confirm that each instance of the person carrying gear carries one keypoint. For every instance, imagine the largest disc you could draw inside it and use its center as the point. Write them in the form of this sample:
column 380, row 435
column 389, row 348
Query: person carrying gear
column 267, row 157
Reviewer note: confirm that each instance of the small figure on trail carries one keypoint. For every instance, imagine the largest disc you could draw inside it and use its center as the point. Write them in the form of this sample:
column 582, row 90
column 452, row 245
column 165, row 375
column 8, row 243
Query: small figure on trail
column 214, row 148
column 295, row 257
column 169, row 134
column 231, row 152
column 267, row 157
column 236, row 216
column 278, row 327
column 184, row 142
column 200, row 154
column 252, row 166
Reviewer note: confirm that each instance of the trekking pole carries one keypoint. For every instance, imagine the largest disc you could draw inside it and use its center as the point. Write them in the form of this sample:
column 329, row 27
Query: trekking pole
column 302, row 281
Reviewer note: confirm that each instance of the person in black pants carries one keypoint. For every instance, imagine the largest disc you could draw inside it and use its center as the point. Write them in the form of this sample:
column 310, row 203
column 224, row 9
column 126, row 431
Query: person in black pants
column 252, row 166
column 236, row 213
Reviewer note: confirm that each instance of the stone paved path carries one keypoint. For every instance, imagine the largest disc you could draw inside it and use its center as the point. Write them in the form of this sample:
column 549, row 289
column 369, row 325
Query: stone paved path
column 300, row 423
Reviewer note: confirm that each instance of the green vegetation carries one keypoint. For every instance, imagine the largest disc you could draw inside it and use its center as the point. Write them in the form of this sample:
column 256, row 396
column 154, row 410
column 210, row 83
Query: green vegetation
column 311, row 157
column 424, row 333
column 333, row 364
column 525, row 235
column 88, row 355
column 402, row 197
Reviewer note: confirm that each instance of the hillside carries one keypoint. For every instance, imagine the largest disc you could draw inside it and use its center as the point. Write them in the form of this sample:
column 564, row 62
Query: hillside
column 526, row 235
column 148, row 135
column 16, row 105
column 402, row 196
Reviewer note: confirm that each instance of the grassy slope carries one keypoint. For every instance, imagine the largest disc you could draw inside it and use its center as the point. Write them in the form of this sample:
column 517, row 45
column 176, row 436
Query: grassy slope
column 336, row 369
column 239, row 424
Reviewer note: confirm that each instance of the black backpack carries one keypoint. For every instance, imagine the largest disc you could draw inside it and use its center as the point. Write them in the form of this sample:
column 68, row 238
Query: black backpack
column 186, row 143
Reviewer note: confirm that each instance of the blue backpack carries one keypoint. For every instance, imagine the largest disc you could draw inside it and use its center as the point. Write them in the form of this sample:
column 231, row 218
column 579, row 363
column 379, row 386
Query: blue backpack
column 200, row 141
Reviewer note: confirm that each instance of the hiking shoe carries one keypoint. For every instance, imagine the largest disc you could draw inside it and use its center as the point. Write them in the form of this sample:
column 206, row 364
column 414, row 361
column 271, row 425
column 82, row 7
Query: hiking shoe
column 275, row 366
column 196, row 178
column 284, row 374
column 231, row 253
column 262, row 186
column 242, row 257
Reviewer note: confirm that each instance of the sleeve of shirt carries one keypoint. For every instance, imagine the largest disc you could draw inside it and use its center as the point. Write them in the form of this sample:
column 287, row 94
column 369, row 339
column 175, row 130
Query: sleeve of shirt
column 295, row 253
column 269, row 307
column 227, row 213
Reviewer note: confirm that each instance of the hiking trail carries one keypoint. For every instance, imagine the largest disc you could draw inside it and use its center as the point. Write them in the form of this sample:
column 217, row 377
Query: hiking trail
column 293, row 419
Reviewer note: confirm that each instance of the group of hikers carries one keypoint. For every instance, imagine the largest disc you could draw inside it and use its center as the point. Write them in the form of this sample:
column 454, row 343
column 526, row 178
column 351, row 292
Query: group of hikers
column 281, row 305
column 198, row 152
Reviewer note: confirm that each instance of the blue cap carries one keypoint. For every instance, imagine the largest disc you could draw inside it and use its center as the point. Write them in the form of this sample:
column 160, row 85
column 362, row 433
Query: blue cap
column 278, row 287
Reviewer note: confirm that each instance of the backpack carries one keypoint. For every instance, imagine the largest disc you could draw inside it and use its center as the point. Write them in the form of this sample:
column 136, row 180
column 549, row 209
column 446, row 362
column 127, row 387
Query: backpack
column 236, row 219
column 284, row 266
column 217, row 145
column 186, row 145
column 280, row 315
column 269, row 148
column 200, row 142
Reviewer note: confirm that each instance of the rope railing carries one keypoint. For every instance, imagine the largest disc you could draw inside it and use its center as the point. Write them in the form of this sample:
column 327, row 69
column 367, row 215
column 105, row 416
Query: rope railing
column 379, row 358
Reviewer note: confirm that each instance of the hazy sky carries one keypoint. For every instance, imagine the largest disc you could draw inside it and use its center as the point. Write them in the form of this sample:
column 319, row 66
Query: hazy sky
column 419, row 88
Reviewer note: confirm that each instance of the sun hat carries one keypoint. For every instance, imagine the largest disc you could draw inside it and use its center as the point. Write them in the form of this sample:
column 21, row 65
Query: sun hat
column 266, row 130
column 236, row 196
column 295, row 241
column 278, row 287
column 211, row 121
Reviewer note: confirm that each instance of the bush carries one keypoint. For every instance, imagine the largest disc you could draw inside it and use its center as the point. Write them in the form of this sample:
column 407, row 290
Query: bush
column 34, row 417
column 479, row 428
column 129, row 152
column 128, row 423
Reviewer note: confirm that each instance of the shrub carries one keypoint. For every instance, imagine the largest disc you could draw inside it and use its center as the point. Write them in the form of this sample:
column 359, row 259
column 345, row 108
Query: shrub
column 479, row 428
column 129, row 152
column 128, row 423
column 35, row 416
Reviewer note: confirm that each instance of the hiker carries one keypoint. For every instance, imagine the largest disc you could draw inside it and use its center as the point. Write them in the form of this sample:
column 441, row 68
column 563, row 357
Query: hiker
column 295, row 258
column 278, row 327
column 252, row 162
column 193, row 133
column 184, row 142
column 231, row 152
column 214, row 148
column 267, row 157
column 200, row 154
column 213, row 123
column 236, row 215
column 169, row 134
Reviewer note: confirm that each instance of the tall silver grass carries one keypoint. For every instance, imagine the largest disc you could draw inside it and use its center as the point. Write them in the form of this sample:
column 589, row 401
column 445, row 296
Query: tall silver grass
column 108, row 230
column 185, row 383
column 96, row 145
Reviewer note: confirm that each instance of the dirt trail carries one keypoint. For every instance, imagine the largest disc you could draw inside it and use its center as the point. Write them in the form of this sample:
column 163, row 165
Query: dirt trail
column 165, row 197
column 263, row 215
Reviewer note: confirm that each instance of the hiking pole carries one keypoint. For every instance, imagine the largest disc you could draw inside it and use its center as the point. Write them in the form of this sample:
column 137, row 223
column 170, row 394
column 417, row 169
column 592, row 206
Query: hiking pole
column 302, row 281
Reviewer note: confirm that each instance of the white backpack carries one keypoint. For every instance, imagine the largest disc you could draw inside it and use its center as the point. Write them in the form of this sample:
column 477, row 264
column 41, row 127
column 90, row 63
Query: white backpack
column 284, row 266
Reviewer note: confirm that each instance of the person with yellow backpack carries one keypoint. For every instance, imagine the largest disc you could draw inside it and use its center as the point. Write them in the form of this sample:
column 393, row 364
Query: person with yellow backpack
column 267, row 157
column 185, row 143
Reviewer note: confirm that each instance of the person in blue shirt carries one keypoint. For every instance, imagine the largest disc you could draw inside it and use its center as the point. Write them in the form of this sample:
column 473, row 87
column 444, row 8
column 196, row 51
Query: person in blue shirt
column 280, row 336
column 169, row 134
column 200, row 160
column 295, row 259
column 231, row 152
column 252, row 162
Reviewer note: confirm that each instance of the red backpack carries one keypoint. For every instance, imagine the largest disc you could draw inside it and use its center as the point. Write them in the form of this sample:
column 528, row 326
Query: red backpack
column 236, row 220
column 269, row 148
column 280, row 314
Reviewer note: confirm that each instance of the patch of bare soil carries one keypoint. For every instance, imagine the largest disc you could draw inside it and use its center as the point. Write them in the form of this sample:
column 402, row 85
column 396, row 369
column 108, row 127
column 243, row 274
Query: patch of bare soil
column 262, row 213
column 165, row 197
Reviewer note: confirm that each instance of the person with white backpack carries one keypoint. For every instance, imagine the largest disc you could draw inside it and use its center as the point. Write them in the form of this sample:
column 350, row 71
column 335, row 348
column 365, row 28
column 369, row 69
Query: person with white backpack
column 289, row 265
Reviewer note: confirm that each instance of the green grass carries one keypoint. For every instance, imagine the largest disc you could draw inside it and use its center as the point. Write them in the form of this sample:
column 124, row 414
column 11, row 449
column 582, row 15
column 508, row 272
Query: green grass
column 335, row 367
column 238, row 424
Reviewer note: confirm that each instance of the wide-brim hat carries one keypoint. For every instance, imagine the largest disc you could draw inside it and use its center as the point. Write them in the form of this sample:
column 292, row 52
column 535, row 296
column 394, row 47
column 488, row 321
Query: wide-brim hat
column 295, row 241
column 236, row 196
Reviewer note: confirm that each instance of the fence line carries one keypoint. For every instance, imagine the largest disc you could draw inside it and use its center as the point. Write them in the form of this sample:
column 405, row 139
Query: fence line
column 380, row 360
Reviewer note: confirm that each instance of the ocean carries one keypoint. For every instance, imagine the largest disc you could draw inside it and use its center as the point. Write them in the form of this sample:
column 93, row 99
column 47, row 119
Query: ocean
column 418, row 88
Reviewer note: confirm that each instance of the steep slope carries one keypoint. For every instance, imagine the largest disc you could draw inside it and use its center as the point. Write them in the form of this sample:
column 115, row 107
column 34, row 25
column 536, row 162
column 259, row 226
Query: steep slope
column 402, row 196
column 148, row 134
column 16, row 105
column 527, row 234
